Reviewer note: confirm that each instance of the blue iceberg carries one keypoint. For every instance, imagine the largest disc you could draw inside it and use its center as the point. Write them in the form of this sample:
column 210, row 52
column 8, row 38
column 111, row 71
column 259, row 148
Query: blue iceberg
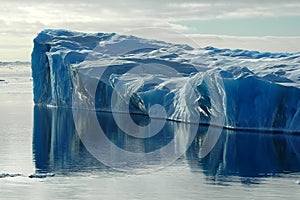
column 237, row 89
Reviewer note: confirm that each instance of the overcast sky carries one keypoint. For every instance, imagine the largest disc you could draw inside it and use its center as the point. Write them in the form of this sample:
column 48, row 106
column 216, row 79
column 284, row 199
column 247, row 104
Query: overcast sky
column 256, row 24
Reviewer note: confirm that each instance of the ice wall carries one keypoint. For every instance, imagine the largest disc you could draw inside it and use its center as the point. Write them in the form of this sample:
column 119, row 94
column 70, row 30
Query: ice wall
column 111, row 72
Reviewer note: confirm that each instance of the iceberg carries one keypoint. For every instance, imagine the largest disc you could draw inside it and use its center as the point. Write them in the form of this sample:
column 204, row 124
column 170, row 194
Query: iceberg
column 236, row 89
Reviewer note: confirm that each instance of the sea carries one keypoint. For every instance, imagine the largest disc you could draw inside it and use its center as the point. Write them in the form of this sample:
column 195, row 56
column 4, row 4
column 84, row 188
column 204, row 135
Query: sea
column 43, row 156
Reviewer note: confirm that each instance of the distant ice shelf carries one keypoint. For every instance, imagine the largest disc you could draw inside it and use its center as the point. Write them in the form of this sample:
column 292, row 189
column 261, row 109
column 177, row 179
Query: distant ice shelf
column 120, row 73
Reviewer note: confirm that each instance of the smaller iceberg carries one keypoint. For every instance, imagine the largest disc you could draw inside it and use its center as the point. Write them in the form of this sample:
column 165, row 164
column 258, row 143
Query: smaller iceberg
column 41, row 175
column 5, row 175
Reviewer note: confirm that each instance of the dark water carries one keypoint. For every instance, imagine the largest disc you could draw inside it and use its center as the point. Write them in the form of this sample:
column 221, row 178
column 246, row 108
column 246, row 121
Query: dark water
column 45, row 143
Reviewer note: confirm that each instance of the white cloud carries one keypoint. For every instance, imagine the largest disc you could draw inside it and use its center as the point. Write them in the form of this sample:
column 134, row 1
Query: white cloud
column 268, row 43
column 21, row 20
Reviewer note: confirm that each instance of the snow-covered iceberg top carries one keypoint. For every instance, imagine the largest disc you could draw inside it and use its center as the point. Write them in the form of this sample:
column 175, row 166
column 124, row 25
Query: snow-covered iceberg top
column 118, row 73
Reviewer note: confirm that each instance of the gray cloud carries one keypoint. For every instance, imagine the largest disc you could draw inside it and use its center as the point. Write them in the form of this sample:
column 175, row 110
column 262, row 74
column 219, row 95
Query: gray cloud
column 21, row 20
column 133, row 12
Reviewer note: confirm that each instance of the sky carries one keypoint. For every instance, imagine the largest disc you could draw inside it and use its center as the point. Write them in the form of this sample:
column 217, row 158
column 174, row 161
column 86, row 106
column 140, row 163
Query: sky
column 264, row 25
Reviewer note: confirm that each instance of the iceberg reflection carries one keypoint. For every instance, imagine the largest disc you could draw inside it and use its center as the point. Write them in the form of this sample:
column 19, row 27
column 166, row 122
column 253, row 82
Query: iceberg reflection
column 57, row 147
column 247, row 154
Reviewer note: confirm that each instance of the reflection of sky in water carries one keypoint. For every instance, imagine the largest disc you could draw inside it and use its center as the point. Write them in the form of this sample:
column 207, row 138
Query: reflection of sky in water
column 57, row 148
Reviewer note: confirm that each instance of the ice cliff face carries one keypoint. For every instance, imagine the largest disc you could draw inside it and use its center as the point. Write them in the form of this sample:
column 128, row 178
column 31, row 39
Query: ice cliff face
column 109, row 72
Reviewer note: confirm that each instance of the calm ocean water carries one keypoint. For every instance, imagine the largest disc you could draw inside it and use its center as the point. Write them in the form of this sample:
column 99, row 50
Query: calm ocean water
column 43, row 157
